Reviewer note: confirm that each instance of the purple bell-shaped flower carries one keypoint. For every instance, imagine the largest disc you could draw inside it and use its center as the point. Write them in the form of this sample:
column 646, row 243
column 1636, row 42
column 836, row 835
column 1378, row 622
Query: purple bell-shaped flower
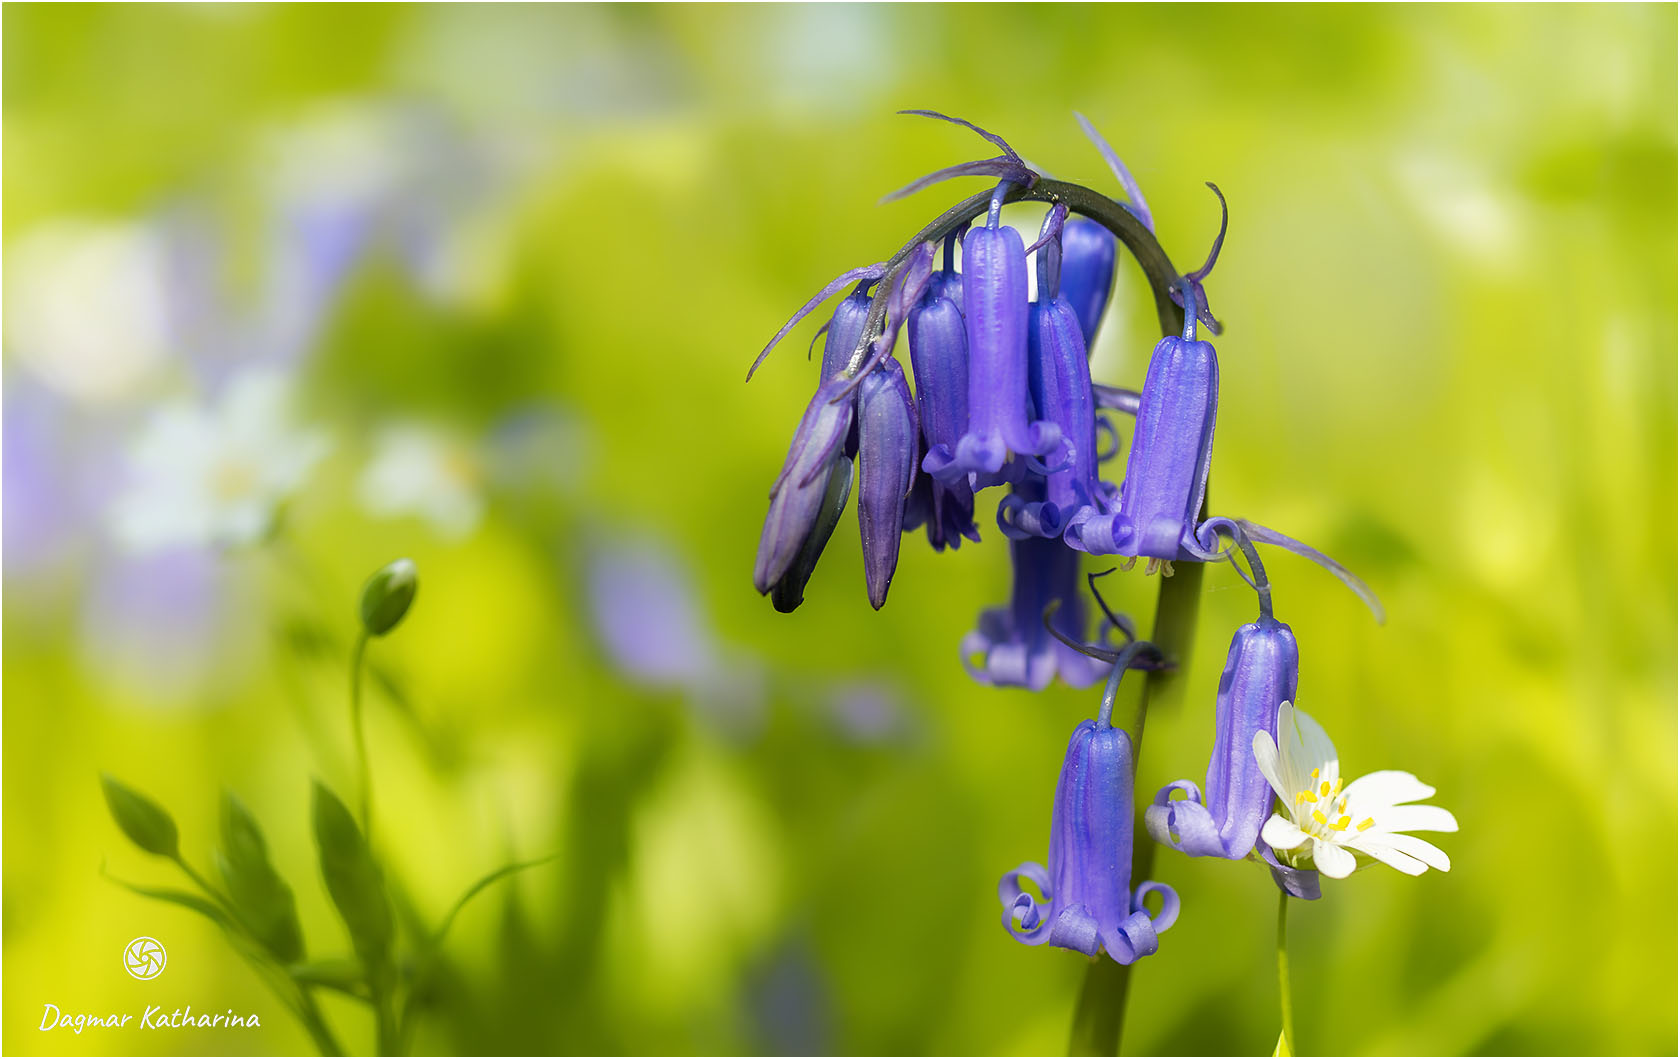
column 1088, row 902
column 1060, row 383
column 887, row 450
column 1088, row 252
column 807, row 497
column 939, row 359
column 1012, row 647
column 1260, row 673
column 994, row 281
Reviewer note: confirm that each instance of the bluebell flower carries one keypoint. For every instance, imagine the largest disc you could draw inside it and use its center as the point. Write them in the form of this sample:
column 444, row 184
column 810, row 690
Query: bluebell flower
column 1088, row 902
column 1260, row 674
column 1060, row 384
column 995, row 313
column 939, row 359
column 1012, row 647
column 1088, row 253
column 887, row 450
column 807, row 498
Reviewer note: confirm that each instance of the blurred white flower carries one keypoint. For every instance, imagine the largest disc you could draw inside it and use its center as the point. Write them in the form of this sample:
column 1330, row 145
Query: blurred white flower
column 87, row 306
column 420, row 471
column 215, row 476
column 1329, row 824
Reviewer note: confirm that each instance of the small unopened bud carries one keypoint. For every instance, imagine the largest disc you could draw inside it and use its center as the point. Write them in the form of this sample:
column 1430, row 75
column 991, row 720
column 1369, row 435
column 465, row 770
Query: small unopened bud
column 387, row 596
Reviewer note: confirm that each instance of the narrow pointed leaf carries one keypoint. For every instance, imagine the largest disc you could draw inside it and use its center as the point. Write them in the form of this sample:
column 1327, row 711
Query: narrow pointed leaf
column 354, row 881
column 259, row 893
column 146, row 823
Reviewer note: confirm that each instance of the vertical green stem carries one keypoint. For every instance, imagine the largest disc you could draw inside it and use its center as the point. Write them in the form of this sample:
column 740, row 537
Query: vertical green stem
column 303, row 1005
column 364, row 777
column 309, row 1013
column 1286, row 1045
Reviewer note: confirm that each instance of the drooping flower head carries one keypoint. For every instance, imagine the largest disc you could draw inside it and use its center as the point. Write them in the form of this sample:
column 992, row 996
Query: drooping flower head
column 1088, row 904
column 1325, row 825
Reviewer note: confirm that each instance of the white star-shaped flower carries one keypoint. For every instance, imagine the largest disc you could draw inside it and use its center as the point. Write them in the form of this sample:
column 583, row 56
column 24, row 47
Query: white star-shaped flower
column 1367, row 816
column 214, row 476
column 418, row 470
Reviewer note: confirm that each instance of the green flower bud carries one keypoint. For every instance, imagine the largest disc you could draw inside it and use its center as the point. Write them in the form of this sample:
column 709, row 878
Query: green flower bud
column 387, row 596
column 146, row 823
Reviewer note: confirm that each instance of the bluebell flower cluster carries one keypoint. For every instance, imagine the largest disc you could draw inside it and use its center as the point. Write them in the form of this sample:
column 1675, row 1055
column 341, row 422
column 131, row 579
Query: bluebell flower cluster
column 1004, row 398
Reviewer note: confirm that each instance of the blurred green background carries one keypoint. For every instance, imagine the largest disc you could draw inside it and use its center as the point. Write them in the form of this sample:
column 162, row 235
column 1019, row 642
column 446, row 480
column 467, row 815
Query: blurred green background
column 512, row 262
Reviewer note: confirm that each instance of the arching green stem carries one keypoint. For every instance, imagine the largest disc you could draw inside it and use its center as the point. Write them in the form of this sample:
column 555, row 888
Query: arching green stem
column 1138, row 240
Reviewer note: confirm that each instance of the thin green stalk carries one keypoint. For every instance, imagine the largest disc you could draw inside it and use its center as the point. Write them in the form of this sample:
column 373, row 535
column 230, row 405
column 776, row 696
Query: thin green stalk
column 246, row 944
column 388, row 1038
column 1286, row 1042
column 364, row 777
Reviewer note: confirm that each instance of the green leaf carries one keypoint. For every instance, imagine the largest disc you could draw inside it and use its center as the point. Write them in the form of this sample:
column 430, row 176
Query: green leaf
column 257, row 890
column 205, row 908
column 345, row 976
column 146, row 823
column 354, row 881
column 478, row 887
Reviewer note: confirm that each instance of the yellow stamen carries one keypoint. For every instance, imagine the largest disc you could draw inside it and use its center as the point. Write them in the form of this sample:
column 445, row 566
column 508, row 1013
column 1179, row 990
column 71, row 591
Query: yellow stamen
column 1367, row 822
column 1341, row 825
column 1319, row 817
column 1313, row 774
column 1324, row 789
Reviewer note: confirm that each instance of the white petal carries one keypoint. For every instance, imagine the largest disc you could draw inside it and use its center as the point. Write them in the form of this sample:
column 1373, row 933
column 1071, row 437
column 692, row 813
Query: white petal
column 1388, row 787
column 1312, row 747
column 1414, row 818
column 1409, row 845
column 1332, row 860
column 1266, row 756
column 1292, row 770
column 1377, row 846
column 1282, row 834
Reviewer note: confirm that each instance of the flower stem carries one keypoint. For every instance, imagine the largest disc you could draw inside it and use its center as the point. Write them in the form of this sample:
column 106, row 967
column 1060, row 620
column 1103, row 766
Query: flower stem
column 1137, row 239
column 1286, row 1043
column 364, row 777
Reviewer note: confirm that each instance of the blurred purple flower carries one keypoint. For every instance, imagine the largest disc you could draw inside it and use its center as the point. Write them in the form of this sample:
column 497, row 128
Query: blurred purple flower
column 648, row 618
column 652, row 624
